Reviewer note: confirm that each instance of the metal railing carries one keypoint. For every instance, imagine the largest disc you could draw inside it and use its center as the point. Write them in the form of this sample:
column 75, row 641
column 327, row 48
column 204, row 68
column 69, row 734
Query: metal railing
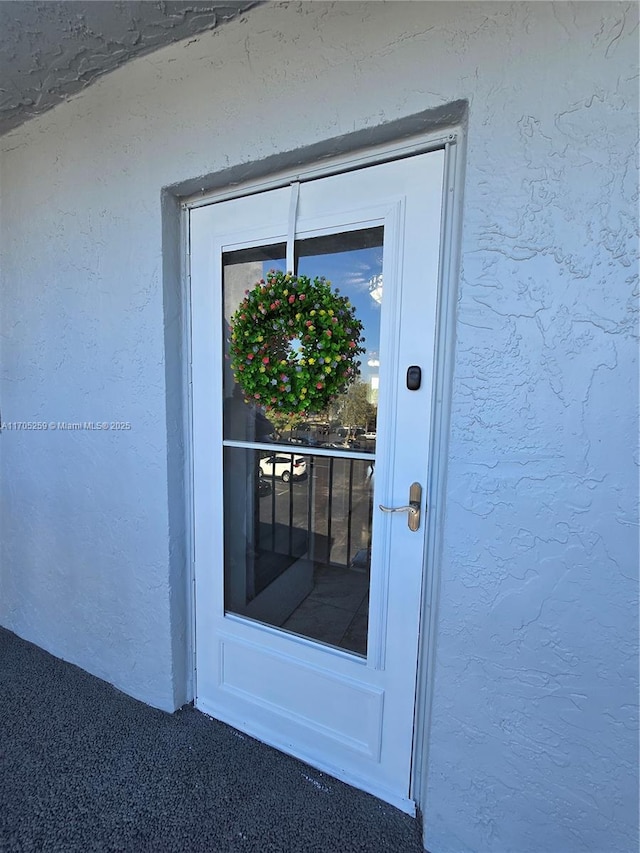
column 326, row 513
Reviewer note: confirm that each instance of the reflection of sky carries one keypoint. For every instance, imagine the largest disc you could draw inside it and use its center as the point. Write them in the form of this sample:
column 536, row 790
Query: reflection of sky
column 350, row 272
column 279, row 266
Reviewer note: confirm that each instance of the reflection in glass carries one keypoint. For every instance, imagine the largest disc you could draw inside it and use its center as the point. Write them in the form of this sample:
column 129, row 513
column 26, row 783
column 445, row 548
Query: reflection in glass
column 352, row 261
column 298, row 543
column 298, row 526
column 241, row 270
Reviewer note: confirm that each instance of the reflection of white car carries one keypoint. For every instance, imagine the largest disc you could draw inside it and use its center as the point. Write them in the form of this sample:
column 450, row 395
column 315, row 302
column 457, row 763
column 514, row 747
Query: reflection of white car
column 284, row 466
column 370, row 436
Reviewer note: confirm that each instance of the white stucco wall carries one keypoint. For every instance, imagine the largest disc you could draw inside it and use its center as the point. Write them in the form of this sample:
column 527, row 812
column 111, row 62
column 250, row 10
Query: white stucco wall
column 533, row 737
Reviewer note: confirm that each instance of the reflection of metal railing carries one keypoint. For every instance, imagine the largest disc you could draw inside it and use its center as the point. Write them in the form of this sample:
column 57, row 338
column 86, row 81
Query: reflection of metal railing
column 327, row 514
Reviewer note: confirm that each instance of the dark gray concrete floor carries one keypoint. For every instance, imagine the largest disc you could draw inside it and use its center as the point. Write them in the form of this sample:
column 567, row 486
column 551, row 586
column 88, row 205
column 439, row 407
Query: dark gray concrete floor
column 85, row 768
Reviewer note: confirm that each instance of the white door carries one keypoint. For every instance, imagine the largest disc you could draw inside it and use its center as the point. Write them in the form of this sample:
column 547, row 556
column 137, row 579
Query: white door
column 307, row 593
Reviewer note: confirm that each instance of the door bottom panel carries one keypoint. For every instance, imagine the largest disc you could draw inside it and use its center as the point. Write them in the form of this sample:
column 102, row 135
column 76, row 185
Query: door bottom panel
column 325, row 704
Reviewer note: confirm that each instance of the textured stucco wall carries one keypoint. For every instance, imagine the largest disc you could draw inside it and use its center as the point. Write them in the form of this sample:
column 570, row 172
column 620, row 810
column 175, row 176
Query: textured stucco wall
column 52, row 49
column 533, row 737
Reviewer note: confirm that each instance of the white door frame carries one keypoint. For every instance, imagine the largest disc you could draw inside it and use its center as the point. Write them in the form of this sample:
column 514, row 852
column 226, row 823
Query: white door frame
column 454, row 143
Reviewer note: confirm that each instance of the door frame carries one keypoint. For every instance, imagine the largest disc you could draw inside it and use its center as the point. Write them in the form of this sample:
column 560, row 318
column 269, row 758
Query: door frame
column 453, row 141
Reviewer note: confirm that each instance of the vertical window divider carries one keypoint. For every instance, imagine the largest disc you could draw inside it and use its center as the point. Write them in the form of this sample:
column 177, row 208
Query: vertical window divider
column 291, row 230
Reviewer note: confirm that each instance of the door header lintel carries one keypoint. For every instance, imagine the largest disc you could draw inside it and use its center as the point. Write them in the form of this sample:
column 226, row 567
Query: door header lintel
column 418, row 133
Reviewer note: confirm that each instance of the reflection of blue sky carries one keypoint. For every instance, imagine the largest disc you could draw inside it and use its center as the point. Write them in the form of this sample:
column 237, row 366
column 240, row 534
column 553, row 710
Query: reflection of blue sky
column 350, row 272
column 280, row 266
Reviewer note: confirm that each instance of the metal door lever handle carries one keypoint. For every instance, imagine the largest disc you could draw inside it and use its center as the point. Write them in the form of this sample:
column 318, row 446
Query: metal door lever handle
column 412, row 508
column 409, row 508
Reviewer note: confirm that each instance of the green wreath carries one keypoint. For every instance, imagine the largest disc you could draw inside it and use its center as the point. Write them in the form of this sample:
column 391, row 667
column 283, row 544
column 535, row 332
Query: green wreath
column 294, row 343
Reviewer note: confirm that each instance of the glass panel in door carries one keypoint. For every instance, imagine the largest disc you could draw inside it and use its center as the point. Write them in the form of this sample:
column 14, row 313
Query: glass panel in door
column 241, row 270
column 352, row 261
column 298, row 514
column 297, row 550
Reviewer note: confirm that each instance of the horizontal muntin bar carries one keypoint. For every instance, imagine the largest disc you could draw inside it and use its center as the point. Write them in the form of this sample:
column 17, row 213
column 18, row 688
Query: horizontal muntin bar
column 300, row 449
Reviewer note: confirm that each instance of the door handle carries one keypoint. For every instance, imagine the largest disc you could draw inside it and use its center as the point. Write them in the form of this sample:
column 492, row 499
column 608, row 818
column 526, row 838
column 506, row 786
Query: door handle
column 412, row 508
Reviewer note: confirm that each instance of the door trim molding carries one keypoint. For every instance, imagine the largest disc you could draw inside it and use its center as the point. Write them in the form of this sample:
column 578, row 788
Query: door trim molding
column 360, row 159
column 450, row 256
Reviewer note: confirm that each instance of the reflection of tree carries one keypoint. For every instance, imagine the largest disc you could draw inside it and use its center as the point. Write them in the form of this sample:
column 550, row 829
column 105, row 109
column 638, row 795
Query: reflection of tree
column 285, row 422
column 351, row 409
column 354, row 408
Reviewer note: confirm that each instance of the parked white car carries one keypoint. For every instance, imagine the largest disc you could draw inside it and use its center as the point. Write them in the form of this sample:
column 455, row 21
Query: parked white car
column 284, row 466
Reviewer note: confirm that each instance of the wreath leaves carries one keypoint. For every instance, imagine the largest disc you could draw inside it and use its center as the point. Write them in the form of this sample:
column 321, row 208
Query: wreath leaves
column 294, row 343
